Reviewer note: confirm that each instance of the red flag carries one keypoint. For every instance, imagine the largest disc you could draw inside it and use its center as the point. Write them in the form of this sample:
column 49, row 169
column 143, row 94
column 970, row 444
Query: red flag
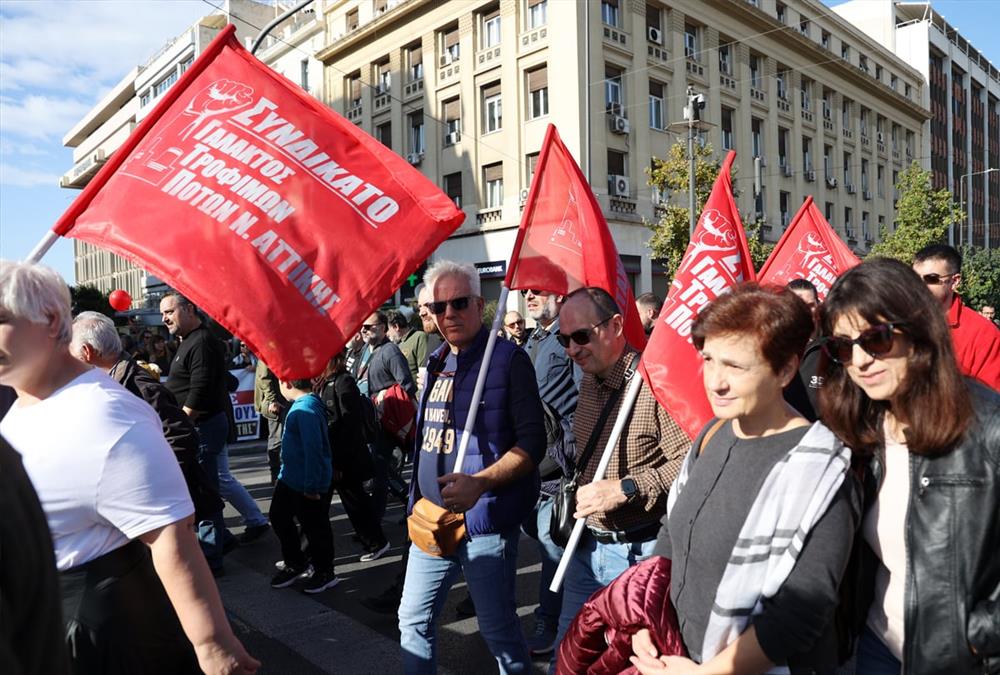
column 809, row 249
column 716, row 259
column 278, row 217
column 564, row 242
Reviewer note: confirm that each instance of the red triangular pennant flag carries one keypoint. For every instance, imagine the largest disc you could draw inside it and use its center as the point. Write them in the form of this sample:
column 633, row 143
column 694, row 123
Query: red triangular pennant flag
column 278, row 217
column 564, row 242
column 716, row 259
column 809, row 249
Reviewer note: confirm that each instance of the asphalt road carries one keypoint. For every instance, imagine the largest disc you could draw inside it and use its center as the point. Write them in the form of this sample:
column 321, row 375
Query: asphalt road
column 331, row 632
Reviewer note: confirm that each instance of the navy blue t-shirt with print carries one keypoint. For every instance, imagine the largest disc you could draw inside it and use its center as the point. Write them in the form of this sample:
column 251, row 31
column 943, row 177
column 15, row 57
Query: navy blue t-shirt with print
column 439, row 442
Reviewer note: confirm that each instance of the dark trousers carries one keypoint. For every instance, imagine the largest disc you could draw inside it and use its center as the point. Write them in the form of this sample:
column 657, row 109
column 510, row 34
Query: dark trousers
column 313, row 516
column 360, row 509
column 388, row 460
column 274, row 430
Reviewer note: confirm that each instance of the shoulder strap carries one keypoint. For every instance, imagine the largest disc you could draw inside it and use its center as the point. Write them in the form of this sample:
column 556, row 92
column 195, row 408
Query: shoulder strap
column 605, row 412
column 708, row 436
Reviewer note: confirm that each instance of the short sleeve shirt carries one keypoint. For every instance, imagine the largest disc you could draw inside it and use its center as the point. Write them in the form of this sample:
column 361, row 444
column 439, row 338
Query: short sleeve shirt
column 103, row 472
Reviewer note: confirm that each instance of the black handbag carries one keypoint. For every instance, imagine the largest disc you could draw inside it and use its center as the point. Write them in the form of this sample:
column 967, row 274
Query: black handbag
column 564, row 505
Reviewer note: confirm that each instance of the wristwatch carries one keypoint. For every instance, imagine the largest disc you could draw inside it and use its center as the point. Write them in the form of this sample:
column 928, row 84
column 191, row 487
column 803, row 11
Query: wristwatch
column 629, row 488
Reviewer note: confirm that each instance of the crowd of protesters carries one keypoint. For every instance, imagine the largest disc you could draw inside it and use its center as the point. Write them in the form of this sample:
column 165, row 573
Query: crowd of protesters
column 841, row 505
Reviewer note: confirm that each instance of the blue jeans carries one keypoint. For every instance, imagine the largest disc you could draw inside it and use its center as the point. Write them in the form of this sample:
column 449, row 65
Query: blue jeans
column 537, row 527
column 489, row 563
column 212, row 531
column 214, row 456
column 874, row 658
column 592, row 567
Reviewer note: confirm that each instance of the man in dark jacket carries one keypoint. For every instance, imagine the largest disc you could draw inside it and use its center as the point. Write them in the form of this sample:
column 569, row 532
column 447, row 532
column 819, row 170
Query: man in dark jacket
column 96, row 342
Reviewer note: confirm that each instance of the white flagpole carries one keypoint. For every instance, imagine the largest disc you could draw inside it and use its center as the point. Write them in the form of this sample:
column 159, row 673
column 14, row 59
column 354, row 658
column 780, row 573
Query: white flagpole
column 609, row 450
column 477, row 394
column 42, row 247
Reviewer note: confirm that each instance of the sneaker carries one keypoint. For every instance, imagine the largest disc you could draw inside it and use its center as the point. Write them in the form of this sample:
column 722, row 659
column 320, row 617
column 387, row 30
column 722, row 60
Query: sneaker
column 287, row 577
column 542, row 642
column 387, row 602
column 320, row 581
column 376, row 553
column 466, row 608
column 254, row 533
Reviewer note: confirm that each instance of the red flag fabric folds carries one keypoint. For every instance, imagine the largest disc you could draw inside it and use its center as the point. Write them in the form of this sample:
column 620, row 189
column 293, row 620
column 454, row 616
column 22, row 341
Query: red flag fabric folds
column 716, row 259
column 809, row 249
column 281, row 219
column 564, row 242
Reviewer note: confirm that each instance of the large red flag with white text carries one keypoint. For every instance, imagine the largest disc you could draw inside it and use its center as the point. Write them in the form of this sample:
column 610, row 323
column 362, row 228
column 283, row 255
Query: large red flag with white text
column 278, row 217
column 564, row 242
column 809, row 249
column 716, row 259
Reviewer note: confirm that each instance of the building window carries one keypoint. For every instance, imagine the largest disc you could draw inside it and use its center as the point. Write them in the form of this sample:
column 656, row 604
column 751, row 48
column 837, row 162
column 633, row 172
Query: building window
column 906, row 90
column 804, row 27
column 864, row 226
column 186, row 63
column 806, row 92
column 757, row 137
column 537, row 13
column 845, row 51
column 780, row 12
column 453, row 188
column 781, row 82
column 538, row 92
column 807, row 161
column 449, row 46
column 726, row 59
column 864, row 122
column 827, row 105
column 304, row 74
column 846, row 110
column 383, row 77
column 492, row 110
column 144, row 99
column 864, row 175
column 164, row 84
column 880, row 180
column 828, row 212
column 352, row 21
column 383, row 134
column 415, row 62
column 824, row 39
column 490, row 32
column 727, row 129
column 782, row 147
column 616, row 163
column 828, row 162
column 878, row 72
column 656, row 97
column 893, row 82
column 756, row 79
column 784, row 200
column 847, row 168
column 531, row 161
column 493, row 180
column 354, row 90
column 848, row 226
column 612, row 89
column 380, row 6
column 691, row 50
column 452, row 111
column 653, row 18
column 416, row 123
column 863, row 62
column 609, row 12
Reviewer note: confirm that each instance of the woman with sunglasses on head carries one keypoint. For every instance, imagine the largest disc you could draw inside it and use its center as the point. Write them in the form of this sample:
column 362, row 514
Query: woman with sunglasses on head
column 930, row 439
column 760, row 520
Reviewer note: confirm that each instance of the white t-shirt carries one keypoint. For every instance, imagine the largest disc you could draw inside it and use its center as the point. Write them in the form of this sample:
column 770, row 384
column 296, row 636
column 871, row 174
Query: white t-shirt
column 885, row 531
column 103, row 472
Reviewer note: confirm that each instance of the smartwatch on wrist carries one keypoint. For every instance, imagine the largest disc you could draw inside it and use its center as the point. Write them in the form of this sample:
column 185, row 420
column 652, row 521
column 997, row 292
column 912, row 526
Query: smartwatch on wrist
column 629, row 488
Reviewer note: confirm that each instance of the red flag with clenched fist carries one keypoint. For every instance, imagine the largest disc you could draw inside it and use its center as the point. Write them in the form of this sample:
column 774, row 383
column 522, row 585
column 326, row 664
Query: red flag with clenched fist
column 281, row 219
column 716, row 259
column 564, row 242
column 809, row 249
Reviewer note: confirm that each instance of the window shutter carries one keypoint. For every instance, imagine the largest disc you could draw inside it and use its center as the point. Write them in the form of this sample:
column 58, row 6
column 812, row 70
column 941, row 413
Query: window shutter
column 538, row 78
column 493, row 172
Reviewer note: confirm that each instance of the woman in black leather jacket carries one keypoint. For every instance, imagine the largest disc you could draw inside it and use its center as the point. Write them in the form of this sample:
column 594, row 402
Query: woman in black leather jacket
column 929, row 441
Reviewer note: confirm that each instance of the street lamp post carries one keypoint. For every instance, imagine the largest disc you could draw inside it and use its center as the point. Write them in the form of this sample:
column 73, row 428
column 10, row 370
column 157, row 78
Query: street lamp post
column 692, row 124
column 965, row 209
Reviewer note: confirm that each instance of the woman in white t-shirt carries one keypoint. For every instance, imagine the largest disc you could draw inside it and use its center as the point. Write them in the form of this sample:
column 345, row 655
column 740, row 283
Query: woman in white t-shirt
column 929, row 441
column 134, row 580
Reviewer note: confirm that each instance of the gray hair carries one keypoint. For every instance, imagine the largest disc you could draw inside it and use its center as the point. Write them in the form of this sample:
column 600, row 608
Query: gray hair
column 36, row 293
column 447, row 268
column 97, row 331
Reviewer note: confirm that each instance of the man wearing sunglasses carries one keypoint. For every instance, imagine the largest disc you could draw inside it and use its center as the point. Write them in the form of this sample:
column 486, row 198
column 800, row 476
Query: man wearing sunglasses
column 624, row 509
column 976, row 340
column 513, row 328
column 496, row 487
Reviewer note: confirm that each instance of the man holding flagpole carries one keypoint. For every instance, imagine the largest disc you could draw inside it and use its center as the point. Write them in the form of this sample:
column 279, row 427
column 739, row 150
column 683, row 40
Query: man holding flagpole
column 496, row 486
column 624, row 509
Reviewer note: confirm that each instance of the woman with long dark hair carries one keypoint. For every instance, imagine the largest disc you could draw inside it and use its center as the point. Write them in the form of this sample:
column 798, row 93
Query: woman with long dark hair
column 931, row 443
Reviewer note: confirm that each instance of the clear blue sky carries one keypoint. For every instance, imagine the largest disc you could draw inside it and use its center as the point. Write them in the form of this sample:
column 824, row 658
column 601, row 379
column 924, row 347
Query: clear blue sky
column 57, row 59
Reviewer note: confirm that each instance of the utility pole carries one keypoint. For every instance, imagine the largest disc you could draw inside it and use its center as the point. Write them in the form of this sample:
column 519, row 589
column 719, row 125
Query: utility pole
column 692, row 124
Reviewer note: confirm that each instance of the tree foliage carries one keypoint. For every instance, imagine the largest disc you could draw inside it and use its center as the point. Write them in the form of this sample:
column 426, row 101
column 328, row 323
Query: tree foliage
column 87, row 298
column 923, row 216
column 980, row 277
column 671, row 233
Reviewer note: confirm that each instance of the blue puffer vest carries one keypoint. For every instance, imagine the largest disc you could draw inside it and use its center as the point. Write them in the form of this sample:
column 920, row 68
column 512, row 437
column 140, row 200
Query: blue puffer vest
column 493, row 435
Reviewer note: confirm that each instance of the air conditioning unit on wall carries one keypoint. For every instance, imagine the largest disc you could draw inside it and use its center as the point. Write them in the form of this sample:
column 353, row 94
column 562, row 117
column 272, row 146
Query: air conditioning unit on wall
column 619, row 125
column 414, row 158
column 618, row 186
column 654, row 35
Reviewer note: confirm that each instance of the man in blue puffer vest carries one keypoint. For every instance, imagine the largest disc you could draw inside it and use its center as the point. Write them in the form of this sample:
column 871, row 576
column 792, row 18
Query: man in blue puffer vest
column 498, row 483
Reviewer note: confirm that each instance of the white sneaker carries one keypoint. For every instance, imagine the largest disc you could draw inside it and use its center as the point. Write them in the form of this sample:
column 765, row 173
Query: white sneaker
column 376, row 554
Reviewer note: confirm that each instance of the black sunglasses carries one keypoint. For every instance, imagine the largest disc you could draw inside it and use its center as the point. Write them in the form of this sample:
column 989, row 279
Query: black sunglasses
column 525, row 291
column 368, row 327
column 582, row 336
column 876, row 341
column 933, row 279
column 457, row 304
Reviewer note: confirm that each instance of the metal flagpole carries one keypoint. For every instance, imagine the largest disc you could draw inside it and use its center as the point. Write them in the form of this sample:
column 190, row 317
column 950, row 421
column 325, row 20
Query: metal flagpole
column 42, row 247
column 477, row 394
column 609, row 450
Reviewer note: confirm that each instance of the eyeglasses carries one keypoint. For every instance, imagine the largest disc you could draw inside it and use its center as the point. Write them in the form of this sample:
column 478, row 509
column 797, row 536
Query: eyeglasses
column 582, row 336
column 875, row 341
column 457, row 304
column 369, row 327
column 933, row 279
column 515, row 323
column 525, row 291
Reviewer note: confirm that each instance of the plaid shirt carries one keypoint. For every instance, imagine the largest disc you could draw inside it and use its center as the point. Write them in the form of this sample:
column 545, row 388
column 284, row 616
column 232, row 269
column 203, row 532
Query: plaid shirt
column 650, row 450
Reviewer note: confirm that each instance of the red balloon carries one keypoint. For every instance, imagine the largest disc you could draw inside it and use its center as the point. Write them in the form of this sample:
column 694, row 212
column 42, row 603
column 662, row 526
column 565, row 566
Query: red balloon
column 120, row 300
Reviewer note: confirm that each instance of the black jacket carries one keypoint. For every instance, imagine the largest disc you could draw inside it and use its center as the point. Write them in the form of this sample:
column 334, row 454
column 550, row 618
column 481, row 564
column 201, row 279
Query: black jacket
column 952, row 600
column 198, row 373
column 178, row 429
column 342, row 399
